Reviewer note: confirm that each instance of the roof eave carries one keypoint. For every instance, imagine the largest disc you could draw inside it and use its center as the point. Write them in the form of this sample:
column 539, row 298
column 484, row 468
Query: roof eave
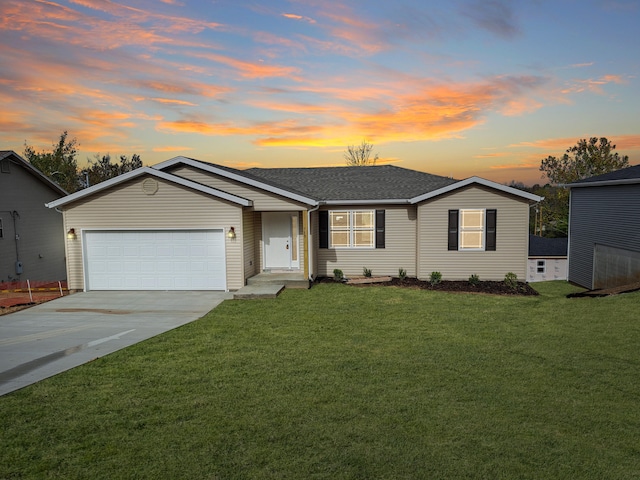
column 237, row 177
column 622, row 181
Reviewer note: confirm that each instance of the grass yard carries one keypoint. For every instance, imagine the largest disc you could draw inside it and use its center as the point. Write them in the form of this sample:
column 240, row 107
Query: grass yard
column 350, row 383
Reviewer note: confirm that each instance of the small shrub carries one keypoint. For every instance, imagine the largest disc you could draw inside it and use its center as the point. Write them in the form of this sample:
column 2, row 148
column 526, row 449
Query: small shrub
column 435, row 278
column 338, row 276
column 402, row 274
column 366, row 272
column 511, row 280
column 474, row 280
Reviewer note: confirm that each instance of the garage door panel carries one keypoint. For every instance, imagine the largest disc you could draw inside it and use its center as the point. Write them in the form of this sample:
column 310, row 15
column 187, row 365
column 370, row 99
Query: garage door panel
column 155, row 260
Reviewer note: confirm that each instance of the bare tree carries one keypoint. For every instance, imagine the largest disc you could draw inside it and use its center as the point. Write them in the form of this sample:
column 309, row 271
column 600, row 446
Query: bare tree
column 360, row 155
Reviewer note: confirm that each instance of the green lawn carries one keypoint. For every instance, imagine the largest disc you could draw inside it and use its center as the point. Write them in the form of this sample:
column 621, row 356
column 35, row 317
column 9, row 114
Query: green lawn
column 340, row 382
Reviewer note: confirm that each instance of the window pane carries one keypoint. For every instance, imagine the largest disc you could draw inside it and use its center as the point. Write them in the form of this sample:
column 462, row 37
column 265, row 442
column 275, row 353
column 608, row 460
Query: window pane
column 339, row 219
column 471, row 240
column 363, row 238
column 363, row 219
column 339, row 239
column 472, row 218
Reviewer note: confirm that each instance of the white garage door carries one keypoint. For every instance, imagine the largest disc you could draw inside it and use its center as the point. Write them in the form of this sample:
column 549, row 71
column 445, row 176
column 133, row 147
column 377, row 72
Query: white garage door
column 155, row 260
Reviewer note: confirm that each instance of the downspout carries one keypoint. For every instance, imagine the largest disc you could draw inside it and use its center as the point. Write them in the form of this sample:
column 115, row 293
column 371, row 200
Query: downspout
column 309, row 246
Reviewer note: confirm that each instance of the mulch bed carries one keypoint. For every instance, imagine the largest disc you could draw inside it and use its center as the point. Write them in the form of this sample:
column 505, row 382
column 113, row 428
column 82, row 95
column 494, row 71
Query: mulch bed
column 459, row 286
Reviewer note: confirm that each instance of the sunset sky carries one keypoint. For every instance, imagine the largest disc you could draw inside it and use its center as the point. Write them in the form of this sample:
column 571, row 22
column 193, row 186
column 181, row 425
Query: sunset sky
column 453, row 87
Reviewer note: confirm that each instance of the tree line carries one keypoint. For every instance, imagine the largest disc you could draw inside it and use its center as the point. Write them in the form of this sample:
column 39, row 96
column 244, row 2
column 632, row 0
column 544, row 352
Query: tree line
column 61, row 164
column 587, row 158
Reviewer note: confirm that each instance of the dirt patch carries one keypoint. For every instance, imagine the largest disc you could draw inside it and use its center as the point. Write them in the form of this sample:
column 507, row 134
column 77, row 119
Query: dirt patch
column 460, row 286
column 11, row 302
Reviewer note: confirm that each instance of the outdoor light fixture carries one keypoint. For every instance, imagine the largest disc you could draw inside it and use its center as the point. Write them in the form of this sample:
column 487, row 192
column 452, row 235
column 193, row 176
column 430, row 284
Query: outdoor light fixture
column 71, row 234
column 232, row 233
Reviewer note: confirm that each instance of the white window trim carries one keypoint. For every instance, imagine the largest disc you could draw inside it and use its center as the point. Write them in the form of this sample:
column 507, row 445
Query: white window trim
column 483, row 229
column 541, row 263
column 352, row 230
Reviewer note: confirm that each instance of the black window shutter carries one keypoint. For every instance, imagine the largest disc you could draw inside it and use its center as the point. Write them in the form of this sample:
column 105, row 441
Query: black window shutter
column 323, row 221
column 491, row 230
column 379, row 228
column 453, row 229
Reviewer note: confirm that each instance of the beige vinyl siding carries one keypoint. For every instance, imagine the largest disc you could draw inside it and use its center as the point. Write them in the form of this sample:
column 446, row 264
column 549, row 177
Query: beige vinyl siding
column 511, row 241
column 249, row 239
column 262, row 200
column 126, row 206
column 399, row 251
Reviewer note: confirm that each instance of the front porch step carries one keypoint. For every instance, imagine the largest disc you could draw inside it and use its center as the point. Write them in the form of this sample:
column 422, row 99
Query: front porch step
column 252, row 292
column 288, row 279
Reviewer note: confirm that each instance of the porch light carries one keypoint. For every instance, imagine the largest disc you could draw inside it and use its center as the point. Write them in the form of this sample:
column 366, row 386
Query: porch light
column 71, row 234
column 232, row 233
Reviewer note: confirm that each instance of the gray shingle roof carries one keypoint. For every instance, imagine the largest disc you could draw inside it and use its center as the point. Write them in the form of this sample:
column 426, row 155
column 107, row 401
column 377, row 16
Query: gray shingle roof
column 629, row 173
column 547, row 247
column 382, row 182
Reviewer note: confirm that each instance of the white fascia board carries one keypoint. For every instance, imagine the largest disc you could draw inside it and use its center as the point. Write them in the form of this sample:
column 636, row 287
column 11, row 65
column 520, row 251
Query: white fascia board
column 234, row 176
column 479, row 181
column 155, row 173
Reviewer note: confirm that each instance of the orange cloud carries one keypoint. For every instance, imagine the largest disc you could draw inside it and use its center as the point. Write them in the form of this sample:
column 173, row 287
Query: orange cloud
column 593, row 85
column 171, row 101
column 433, row 112
column 248, row 69
column 298, row 17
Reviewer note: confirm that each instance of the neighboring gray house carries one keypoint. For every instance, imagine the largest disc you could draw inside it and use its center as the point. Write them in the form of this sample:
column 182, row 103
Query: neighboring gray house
column 547, row 259
column 604, row 229
column 31, row 235
column 186, row 224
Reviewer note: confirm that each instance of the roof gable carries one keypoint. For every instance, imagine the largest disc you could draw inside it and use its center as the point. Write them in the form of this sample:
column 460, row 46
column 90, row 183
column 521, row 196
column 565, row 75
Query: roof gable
column 13, row 157
column 478, row 181
column 155, row 173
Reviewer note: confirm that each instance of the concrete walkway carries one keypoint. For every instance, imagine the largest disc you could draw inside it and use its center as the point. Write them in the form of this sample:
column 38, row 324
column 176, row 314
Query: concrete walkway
column 52, row 337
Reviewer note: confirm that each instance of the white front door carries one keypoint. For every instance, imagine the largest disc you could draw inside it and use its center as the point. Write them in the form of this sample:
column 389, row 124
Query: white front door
column 280, row 234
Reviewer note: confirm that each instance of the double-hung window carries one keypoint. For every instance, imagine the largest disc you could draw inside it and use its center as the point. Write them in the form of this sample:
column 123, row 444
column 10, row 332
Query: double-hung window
column 352, row 228
column 472, row 229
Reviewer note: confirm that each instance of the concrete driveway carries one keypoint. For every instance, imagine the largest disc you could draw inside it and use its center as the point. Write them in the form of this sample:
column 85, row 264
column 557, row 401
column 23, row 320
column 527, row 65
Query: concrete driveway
column 52, row 337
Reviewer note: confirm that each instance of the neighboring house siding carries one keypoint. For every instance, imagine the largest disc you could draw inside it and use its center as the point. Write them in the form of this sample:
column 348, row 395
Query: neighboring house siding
column 40, row 243
column 511, row 240
column 606, row 216
column 171, row 207
column 262, row 201
column 554, row 269
column 399, row 251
